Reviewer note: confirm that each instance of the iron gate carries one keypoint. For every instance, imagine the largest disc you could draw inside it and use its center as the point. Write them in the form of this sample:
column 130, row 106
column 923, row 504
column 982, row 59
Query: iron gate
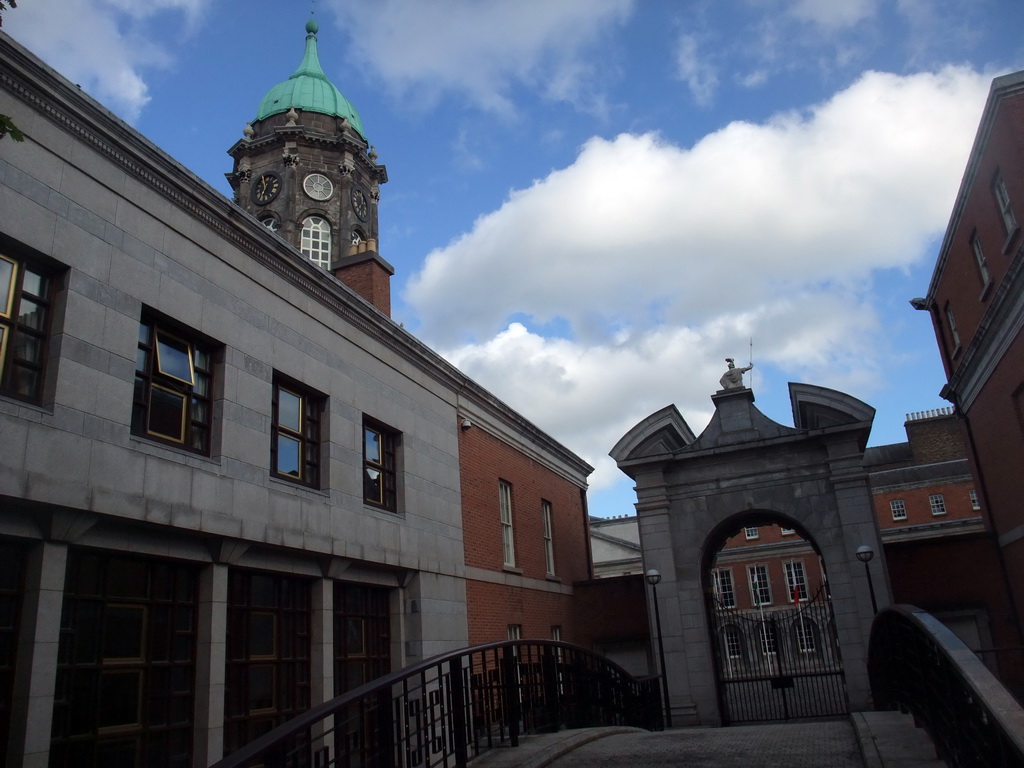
column 778, row 664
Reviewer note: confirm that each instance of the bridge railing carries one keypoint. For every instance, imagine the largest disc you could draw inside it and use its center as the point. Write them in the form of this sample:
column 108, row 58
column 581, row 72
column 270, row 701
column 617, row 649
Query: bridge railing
column 918, row 665
column 453, row 707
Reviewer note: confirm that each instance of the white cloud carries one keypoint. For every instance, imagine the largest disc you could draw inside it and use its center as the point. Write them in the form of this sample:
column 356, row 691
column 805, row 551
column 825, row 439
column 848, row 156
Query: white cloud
column 698, row 74
column 481, row 49
column 657, row 261
column 832, row 15
column 99, row 44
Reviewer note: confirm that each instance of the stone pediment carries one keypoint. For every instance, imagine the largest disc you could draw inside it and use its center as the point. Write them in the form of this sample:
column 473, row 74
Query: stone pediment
column 664, row 432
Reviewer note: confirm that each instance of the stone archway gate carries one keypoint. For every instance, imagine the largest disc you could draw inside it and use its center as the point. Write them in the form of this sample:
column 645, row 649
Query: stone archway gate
column 688, row 488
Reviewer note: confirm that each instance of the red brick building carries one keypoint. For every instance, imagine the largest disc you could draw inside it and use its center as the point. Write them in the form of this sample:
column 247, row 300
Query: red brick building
column 976, row 302
column 525, row 532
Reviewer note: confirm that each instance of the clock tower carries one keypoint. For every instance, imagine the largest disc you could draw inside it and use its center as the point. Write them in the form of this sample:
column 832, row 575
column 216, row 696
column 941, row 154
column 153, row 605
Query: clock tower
column 305, row 169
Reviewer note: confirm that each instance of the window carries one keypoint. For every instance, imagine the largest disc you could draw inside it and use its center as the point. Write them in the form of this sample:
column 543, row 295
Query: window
column 1003, row 203
column 973, row 494
column 549, row 542
column 556, row 633
column 898, row 509
column 724, row 592
column 173, row 382
column 268, row 653
column 316, row 240
column 379, row 466
column 787, row 531
column 954, row 336
column 508, row 542
column 804, row 629
column 295, row 434
column 979, row 259
column 733, row 641
column 938, row 504
column 796, row 581
column 515, row 631
column 125, row 677
column 760, row 586
column 769, row 639
column 751, row 532
column 24, row 325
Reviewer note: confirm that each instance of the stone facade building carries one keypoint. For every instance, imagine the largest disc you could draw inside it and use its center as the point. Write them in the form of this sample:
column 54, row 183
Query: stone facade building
column 231, row 487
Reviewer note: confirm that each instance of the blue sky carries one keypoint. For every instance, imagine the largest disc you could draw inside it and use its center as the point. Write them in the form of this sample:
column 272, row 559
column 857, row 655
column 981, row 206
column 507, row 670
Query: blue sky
column 594, row 202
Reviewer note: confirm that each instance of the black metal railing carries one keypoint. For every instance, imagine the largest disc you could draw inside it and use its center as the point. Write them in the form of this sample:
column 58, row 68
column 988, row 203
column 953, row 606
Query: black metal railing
column 918, row 665
column 453, row 707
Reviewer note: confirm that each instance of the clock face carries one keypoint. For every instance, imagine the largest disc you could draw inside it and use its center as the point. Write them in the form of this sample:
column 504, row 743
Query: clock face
column 265, row 188
column 359, row 204
column 318, row 186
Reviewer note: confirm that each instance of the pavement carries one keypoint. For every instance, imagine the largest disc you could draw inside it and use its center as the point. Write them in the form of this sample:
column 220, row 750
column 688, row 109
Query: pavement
column 863, row 740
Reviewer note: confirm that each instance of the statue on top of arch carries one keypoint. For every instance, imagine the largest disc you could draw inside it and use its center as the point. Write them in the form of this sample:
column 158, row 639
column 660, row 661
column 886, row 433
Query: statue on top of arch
column 733, row 378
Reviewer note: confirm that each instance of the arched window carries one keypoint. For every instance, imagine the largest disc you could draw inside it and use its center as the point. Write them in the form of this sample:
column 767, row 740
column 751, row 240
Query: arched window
column 316, row 240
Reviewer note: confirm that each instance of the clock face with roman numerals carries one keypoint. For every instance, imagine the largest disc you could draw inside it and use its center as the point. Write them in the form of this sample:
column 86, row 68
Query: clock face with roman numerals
column 266, row 187
column 359, row 204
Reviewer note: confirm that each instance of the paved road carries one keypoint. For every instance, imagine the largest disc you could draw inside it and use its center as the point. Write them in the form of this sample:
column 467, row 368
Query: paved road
column 795, row 745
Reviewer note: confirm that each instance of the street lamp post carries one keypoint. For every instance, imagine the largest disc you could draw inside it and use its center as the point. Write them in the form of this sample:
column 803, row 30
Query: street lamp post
column 864, row 554
column 653, row 577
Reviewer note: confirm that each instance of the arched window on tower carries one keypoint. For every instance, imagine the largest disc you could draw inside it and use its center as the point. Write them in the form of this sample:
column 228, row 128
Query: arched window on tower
column 316, row 240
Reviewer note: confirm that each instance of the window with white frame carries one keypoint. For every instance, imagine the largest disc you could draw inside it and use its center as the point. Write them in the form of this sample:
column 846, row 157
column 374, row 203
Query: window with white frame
column 724, row 591
column 316, row 240
column 769, row 644
column 788, row 531
column 804, row 629
column 938, row 504
column 733, row 638
column 515, row 631
column 508, row 542
column 898, row 509
column 556, row 633
column 1003, row 203
column 979, row 259
column 760, row 586
column 752, row 532
column 973, row 494
column 549, row 541
column 954, row 335
column 796, row 581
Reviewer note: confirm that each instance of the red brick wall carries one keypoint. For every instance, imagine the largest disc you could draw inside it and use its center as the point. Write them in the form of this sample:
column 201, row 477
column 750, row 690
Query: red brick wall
column 369, row 280
column 915, row 501
column 484, row 460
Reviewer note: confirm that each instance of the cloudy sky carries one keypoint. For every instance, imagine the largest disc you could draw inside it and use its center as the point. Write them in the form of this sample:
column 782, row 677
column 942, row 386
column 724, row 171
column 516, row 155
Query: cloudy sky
column 594, row 202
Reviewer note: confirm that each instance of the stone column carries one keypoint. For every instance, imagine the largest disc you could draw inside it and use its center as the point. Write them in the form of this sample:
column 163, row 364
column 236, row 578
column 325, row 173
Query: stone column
column 36, row 669
column 211, row 663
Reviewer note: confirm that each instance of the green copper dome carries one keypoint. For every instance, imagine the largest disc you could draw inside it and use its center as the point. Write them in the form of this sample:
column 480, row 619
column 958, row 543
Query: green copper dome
column 309, row 90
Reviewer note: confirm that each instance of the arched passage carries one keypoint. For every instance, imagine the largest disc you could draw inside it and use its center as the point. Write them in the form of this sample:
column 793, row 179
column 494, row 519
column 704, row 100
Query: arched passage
column 770, row 621
column 742, row 470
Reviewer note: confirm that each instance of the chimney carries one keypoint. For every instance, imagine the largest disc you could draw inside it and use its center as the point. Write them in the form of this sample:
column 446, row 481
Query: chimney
column 364, row 271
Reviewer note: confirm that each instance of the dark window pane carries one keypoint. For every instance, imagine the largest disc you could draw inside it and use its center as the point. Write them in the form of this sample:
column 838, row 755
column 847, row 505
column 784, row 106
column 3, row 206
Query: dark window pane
column 119, row 698
column 127, row 578
column 167, row 414
column 123, row 631
column 32, row 314
column 261, row 687
column 174, row 358
column 262, row 631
